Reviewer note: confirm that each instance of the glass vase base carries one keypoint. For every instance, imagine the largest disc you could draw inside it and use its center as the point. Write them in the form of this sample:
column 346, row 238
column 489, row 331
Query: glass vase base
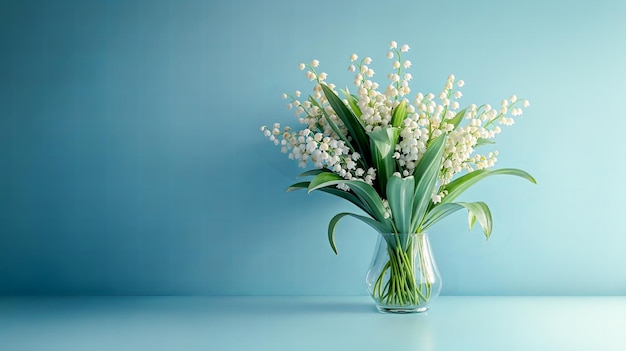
column 402, row 310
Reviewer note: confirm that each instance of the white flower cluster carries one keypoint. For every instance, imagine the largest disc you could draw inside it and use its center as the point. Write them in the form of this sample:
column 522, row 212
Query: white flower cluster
column 428, row 116
column 322, row 150
column 318, row 142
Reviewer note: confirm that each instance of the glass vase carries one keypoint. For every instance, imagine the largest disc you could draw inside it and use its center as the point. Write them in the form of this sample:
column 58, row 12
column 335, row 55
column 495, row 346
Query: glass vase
column 403, row 276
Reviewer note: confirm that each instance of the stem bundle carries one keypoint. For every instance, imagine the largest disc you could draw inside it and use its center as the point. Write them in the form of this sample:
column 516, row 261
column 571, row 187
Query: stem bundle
column 397, row 284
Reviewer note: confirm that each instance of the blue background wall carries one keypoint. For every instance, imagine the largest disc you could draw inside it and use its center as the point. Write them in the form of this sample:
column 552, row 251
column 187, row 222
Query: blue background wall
column 131, row 161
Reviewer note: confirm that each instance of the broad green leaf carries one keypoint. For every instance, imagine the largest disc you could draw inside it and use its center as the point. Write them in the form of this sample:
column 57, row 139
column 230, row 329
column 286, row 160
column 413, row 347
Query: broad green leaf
column 298, row 186
column 350, row 197
column 314, row 172
column 323, row 178
column 439, row 212
column 365, row 192
column 333, row 223
column 399, row 114
column 483, row 141
column 368, row 196
column 478, row 211
column 475, row 211
column 458, row 118
column 382, row 144
column 459, row 185
column 400, row 196
column 426, row 174
column 337, row 192
column 352, row 123
column 353, row 102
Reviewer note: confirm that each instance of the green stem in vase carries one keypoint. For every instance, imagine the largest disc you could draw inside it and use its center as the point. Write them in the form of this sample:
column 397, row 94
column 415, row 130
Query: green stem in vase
column 401, row 286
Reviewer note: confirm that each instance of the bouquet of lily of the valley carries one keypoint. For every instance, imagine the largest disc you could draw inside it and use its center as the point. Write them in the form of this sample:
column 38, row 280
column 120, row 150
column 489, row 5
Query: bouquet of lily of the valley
column 402, row 159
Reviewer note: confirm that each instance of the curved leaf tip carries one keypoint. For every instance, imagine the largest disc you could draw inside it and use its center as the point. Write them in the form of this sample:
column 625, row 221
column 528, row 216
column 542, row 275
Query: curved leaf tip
column 298, row 186
column 380, row 227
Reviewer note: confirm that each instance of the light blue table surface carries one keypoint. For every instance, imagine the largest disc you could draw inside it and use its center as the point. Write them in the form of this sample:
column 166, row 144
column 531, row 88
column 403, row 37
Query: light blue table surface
column 310, row 323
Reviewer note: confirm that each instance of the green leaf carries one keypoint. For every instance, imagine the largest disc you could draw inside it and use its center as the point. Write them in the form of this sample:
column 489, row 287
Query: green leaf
column 399, row 114
column 350, row 197
column 324, row 179
column 314, row 172
column 426, row 174
column 353, row 102
column 333, row 223
column 439, row 212
column 352, row 123
column 297, row 186
column 365, row 192
column 336, row 192
column 483, row 141
column 400, row 197
column 458, row 118
column 479, row 211
column 475, row 211
column 382, row 144
column 459, row 185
